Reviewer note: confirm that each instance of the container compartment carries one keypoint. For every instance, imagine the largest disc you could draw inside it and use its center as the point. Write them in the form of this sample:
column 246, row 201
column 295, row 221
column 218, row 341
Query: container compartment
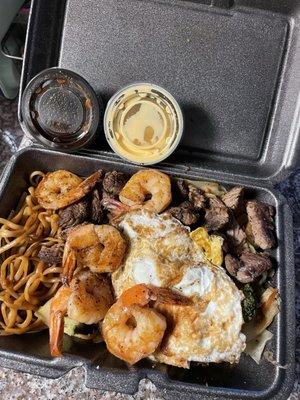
column 30, row 352
column 232, row 66
column 207, row 57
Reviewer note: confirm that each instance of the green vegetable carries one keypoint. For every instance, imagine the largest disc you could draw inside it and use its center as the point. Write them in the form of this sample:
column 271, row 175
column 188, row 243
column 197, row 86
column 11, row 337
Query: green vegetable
column 71, row 327
column 43, row 313
column 250, row 303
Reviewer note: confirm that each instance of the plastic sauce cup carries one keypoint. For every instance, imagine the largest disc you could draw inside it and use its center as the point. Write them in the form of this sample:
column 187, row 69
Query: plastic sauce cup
column 143, row 123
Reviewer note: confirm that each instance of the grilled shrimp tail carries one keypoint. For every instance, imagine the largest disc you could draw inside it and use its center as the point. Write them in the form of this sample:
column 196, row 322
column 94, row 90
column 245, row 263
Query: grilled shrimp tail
column 56, row 334
column 69, row 265
column 58, row 311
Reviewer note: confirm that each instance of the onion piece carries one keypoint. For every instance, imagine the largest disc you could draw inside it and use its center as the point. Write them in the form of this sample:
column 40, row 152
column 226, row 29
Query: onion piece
column 255, row 347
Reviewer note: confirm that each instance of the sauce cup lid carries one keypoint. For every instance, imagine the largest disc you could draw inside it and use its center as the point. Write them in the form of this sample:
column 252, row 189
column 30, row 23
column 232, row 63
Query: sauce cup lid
column 143, row 123
column 60, row 109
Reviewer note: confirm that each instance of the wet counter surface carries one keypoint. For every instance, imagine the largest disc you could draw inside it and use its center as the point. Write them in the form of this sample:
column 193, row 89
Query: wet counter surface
column 15, row 386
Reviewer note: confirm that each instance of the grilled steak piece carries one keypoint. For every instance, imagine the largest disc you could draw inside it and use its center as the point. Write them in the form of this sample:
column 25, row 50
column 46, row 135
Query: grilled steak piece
column 51, row 255
column 96, row 210
column 183, row 188
column 235, row 234
column 190, row 192
column 217, row 215
column 88, row 209
column 260, row 217
column 249, row 267
column 232, row 264
column 105, row 195
column 253, row 265
column 74, row 214
column 114, row 182
column 185, row 213
column 196, row 197
column 234, row 198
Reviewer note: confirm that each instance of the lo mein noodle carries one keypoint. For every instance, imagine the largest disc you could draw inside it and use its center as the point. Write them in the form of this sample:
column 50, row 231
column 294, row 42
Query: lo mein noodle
column 25, row 281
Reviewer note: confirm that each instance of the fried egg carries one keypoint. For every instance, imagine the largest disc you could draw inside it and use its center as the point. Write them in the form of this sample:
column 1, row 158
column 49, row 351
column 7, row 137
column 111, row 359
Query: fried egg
column 162, row 253
column 160, row 250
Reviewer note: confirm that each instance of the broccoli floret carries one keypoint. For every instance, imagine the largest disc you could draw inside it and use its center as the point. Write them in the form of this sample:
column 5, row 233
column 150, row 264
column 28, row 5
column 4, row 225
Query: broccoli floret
column 250, row 303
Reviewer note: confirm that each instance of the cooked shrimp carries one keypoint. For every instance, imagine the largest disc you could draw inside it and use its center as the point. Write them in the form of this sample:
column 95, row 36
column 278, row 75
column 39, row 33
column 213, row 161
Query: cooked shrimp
column 101, row 248
column 131, row 329
column 61, row 188
column 116, row 208
column 148, row 182
column 86, row 300
column 142, row 294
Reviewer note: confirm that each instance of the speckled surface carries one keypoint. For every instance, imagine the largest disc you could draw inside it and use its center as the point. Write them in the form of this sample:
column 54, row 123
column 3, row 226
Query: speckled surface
column 15, row 385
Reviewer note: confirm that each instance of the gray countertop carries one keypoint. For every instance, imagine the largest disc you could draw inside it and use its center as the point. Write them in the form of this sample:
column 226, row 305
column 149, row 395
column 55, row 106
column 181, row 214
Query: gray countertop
column 20, row 386
column 17, row 386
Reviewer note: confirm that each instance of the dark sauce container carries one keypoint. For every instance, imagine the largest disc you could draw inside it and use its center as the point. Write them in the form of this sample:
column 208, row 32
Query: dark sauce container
column 60, row 110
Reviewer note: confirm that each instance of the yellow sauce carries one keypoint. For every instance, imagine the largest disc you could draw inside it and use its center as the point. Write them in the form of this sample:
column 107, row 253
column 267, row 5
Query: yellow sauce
column 143, row 124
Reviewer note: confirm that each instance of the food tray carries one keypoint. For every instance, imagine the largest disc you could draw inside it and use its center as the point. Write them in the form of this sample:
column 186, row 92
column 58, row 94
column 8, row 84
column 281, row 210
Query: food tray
column 233, row 67
column 246, row 380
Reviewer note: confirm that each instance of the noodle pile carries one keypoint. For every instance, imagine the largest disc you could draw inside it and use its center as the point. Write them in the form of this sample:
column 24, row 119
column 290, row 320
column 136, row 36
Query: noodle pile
column 26, row 282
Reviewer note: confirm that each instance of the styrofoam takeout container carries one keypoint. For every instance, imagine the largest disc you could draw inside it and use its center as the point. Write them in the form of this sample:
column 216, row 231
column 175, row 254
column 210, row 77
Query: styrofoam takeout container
column 233, row 66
